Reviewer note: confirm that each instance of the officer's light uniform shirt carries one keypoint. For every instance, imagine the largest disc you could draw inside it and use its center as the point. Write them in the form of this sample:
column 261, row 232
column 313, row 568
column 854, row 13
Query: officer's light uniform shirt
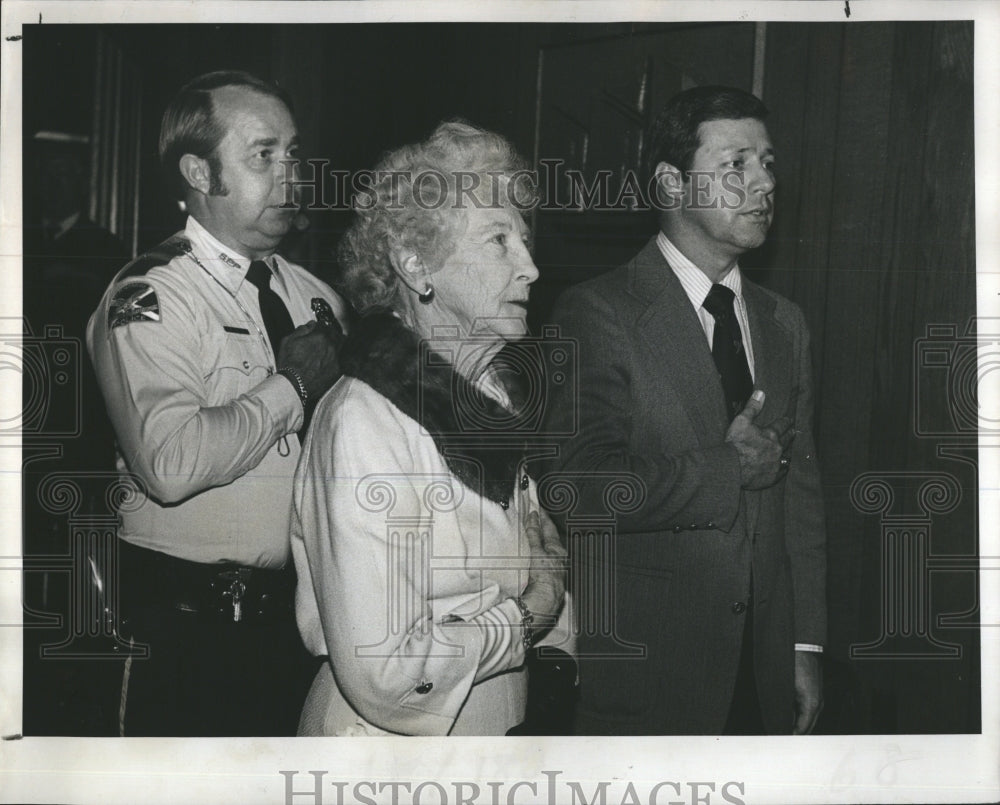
column 187, row 373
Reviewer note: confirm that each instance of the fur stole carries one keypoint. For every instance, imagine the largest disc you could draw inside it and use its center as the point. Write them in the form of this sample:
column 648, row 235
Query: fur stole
column 478, row 438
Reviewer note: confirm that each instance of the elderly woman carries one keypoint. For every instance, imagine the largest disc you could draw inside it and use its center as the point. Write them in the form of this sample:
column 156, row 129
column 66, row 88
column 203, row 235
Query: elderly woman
column 426, row 568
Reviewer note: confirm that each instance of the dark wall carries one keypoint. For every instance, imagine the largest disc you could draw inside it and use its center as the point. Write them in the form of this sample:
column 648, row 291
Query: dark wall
column 874, row 237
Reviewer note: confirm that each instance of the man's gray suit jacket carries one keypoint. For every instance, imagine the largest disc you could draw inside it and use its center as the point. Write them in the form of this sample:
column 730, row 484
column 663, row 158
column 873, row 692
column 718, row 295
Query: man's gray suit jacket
column 650, row 403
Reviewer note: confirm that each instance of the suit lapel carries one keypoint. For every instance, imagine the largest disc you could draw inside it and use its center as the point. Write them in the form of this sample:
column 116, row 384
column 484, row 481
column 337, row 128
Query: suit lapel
column 676, row 344
column 676, row 348
column 772, row 354
column 772, row 364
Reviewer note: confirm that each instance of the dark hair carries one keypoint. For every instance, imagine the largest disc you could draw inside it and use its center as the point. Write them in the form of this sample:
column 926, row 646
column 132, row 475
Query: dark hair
column 190, row 127
column 673, row 137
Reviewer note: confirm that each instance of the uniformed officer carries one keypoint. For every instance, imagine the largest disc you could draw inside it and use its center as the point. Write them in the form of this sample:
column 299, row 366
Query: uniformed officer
column 209, row 358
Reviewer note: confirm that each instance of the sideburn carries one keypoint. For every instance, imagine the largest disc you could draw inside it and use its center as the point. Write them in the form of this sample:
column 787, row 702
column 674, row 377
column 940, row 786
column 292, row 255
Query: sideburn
column 216, row 186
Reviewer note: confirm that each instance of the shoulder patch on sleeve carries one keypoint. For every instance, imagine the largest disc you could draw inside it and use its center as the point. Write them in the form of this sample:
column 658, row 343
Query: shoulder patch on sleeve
column 133, row 301
column 160, row 255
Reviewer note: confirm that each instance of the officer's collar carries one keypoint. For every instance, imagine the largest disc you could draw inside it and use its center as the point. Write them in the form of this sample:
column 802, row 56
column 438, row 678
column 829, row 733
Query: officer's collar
column 225, row 264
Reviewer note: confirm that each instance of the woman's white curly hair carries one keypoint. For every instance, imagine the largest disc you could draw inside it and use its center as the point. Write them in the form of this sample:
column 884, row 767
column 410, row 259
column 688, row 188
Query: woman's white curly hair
column 417, row 201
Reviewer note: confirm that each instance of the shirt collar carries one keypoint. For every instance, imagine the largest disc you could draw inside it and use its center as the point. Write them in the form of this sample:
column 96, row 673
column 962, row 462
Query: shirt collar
column 227, row 266
column 694, row 281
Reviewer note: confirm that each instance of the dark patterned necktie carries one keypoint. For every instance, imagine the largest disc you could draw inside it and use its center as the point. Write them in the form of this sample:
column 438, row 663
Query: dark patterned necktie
column 277, row 321
column 727, row 349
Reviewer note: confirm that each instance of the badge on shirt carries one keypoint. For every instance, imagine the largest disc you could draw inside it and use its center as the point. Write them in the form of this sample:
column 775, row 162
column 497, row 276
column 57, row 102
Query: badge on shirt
column 135, row 301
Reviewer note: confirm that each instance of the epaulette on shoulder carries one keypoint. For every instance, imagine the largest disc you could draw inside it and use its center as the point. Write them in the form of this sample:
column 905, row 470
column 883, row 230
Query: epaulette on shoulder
column 160, row 255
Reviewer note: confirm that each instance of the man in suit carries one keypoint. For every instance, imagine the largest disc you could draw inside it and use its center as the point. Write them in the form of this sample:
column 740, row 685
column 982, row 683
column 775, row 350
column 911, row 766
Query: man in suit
column 697, row 381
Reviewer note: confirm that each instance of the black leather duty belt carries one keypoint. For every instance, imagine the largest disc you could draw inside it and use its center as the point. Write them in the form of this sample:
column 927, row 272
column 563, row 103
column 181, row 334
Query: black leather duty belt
column 151, row 579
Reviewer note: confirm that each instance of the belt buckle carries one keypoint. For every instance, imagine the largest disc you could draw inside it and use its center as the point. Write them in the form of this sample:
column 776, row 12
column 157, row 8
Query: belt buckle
column 234, row 588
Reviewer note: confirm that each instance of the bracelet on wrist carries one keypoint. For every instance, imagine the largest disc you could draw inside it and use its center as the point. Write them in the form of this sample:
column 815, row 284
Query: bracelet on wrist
column 296, row 380
column 528, row 633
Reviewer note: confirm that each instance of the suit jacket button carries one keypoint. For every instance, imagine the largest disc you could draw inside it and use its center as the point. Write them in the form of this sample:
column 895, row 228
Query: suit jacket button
column 424, row 687
column 738, row 608
column 676, row 529
column 693, row 527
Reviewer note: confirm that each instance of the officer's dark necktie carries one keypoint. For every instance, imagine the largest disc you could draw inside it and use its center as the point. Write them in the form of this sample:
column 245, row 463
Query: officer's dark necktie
column 277, row 321
column 727, row 349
